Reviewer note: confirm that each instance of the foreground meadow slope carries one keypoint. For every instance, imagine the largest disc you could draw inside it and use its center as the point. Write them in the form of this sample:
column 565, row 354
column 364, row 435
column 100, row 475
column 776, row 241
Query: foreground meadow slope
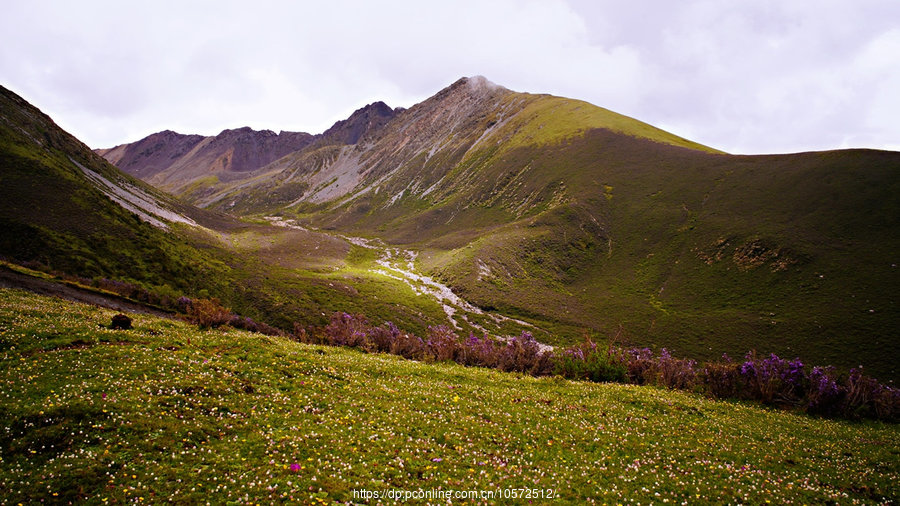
column 167, row 412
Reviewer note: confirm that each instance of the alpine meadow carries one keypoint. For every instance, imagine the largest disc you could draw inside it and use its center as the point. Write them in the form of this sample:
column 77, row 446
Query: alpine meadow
column 516, row 296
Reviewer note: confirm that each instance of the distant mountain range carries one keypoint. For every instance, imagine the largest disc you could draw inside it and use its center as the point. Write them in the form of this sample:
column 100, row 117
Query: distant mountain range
column 179, row 163
column 563, row 215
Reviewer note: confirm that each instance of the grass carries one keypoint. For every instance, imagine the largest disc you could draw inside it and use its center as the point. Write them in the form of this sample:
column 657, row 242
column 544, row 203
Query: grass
column 547, row 119
column 168, row 412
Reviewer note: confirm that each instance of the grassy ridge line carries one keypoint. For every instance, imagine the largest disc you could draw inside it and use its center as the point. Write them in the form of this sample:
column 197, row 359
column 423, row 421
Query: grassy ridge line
column 548, row 119
column 167, row 412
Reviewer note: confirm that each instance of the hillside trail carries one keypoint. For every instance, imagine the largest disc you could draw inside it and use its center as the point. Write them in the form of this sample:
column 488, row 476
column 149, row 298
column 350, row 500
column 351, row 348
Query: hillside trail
column 400, row 264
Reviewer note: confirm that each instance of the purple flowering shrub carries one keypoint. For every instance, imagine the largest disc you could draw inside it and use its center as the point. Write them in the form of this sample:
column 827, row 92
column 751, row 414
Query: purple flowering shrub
column 522, row 353
column 480, row 352
column 773, row 380
column 443, row 345
column 345, row 329
column 769, row 379
column 639, row 364
column 824, row 396
column 670, row 372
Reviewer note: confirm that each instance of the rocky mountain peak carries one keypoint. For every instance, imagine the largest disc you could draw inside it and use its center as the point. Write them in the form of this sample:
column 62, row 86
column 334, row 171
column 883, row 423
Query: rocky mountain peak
column 363, row 121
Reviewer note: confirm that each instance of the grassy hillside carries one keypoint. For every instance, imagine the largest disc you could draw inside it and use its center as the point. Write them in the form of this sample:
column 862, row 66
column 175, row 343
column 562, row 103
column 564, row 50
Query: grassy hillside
column 52, row 213
column 672, row 247
column 555, row 212
column 701, row 253
column 167, row 412
column 56, row 216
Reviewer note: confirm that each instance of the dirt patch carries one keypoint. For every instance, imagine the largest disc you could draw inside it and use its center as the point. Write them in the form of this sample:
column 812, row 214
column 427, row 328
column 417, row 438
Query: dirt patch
column 750, row 255
column 756, row 253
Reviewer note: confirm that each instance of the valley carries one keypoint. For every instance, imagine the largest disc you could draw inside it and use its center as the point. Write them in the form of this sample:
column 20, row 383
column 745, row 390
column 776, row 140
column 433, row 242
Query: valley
column 521, row 212
column 578, row 220
column 488, row 290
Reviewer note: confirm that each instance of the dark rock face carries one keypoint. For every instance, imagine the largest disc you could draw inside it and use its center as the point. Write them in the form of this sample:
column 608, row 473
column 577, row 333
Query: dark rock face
column 171, row 160
column 152, row 154
column 362, row 122
column 250, row 149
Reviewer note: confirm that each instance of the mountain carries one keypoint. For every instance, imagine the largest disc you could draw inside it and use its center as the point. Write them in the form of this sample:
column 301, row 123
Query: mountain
column 66, row 211
column 572, row 217
column 190, row 165
column 362, row 122
column 173, row 161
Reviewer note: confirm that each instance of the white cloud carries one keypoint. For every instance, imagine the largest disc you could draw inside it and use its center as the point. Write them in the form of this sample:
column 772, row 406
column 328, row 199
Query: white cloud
column 744, row 76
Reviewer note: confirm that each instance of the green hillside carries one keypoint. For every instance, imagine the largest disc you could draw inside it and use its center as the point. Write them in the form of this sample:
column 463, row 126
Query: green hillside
column 62, row 210
column 546, row 214
column 577, row 219
column 702, row 253
column 52, row 213
column 167, row 412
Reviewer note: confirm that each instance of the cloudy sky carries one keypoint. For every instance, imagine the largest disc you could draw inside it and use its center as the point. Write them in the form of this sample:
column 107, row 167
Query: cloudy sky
column 755, row 76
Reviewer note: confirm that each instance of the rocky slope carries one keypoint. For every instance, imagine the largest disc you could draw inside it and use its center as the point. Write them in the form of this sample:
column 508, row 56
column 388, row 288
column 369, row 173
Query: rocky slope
column 192, row 165
column 173, row 161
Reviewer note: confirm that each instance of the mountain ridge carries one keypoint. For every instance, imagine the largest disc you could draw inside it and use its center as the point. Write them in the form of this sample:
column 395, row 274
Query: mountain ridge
column 453, row 106
column 577, row 220
column 570, row 216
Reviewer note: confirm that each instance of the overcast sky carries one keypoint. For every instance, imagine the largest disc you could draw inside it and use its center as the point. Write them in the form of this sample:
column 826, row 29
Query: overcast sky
column 756, row 76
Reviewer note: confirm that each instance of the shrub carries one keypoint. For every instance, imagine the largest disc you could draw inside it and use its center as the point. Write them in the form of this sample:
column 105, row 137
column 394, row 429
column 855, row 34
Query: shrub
column 721, row 379
column 639, row 364
column 309, row 336
column 247, row 323
column 861, row 391
column 382, row 337
column 480, row 352
column 521, row 354
column 588, row 362
column 120, row 322
column 824, row 395
column 208, row 313
column 674, row 373
column 773, row 379
column 886, row 403
column 183, row 304
column 443, row 345
column 408, row 346
column 350, row 330
column 768, row 380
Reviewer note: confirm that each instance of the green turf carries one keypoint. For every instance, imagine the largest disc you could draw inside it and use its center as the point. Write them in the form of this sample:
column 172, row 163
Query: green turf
column 166, row 412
